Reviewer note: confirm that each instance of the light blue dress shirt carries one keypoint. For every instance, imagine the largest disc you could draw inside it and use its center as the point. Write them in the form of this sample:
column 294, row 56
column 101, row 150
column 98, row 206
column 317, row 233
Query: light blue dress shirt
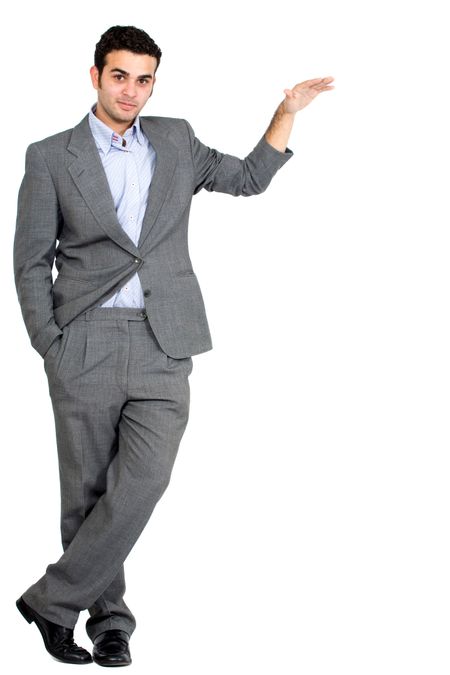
column 129, row 162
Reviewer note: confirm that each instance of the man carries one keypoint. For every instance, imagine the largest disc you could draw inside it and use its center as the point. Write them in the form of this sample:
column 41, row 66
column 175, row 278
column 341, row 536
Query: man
column 119, row 326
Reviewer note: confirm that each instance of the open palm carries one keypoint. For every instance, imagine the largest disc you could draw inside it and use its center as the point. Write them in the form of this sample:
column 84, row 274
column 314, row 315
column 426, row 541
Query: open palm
column 303, row 93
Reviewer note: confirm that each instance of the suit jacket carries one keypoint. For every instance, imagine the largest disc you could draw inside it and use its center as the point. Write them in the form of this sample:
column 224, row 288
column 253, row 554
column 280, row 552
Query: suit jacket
column 65, row 197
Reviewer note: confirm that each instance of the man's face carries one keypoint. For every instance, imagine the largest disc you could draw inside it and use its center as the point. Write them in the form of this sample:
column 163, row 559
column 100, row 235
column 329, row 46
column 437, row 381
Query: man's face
column 124, row 88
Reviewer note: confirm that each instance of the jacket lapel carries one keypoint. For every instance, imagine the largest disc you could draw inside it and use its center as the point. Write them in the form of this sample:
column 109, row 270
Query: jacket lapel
column 89, row 176
column 166, row 161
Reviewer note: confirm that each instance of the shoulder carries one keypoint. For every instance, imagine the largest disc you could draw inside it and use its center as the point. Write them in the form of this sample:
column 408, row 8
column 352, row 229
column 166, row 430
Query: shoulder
column 47, row 149
column 163, row 123
column 56, row 141
column 174, row 128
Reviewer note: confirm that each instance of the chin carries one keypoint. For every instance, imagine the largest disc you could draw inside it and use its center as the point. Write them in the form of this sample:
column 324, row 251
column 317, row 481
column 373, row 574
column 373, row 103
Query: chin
column 131, row 114
column 122, row 116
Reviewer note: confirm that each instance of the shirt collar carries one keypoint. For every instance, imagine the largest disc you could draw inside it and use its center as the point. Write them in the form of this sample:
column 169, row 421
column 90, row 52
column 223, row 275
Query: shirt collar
column 105, row 137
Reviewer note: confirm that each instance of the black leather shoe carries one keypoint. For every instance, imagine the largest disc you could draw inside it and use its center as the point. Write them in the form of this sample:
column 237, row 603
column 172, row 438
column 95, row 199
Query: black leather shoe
column 111, row 648
column 58, row 640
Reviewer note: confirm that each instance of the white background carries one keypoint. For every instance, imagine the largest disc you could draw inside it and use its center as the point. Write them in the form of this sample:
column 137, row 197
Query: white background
column 306, row 526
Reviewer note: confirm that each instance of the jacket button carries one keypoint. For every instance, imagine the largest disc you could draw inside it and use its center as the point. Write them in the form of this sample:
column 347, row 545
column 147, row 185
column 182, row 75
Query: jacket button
column 137, row 260
column 147, row 292
column 143, row 314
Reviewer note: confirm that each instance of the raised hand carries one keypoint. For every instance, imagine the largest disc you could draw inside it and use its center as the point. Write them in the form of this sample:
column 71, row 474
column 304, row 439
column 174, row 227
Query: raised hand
column 303, row 93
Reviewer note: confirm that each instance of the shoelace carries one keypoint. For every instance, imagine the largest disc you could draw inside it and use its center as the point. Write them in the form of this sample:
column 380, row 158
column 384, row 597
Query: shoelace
column 68, row 642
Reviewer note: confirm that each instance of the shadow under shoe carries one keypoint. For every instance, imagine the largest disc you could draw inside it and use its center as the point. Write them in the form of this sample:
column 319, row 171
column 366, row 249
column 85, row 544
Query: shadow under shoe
column 58, row 640
column 111, row 648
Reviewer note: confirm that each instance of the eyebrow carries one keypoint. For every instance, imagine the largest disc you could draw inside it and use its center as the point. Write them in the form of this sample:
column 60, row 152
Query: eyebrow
column 124, row 72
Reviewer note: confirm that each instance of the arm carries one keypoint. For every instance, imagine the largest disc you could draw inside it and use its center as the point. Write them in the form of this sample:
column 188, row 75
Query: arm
column 219, row 172
column 297, row 98
column 37, row 228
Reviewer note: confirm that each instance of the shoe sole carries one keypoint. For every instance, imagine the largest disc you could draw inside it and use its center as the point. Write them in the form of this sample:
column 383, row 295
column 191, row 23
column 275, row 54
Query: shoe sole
column 111, row 665
column 29, row 616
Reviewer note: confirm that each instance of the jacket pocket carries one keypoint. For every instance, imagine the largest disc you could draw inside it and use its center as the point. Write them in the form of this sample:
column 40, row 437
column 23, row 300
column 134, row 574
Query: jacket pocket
column 185, row 273
column 66, row 289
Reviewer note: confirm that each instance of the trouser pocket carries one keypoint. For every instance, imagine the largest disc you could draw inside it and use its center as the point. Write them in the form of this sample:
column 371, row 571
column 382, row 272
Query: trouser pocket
column 54, row 358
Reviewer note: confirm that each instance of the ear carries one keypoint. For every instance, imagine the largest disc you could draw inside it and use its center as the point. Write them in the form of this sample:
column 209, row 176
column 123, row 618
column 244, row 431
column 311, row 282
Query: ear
column 95, row 77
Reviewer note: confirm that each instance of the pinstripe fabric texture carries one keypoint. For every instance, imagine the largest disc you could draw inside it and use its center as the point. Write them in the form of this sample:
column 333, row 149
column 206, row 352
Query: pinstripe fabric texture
column 129, row 162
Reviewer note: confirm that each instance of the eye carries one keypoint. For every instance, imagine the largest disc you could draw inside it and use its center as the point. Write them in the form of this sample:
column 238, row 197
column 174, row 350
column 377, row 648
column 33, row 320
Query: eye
column 143, row 81
column 118, row 76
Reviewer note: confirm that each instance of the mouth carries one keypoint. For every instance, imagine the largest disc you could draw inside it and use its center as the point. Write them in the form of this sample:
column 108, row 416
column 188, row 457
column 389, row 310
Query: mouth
column 125, row 105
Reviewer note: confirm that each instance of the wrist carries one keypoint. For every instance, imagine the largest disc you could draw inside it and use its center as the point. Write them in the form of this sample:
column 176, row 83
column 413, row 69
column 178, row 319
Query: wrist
column 283, row 109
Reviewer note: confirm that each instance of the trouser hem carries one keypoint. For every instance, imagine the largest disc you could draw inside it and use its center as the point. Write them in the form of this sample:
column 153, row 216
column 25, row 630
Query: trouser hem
column 66, row 618
column 109, row 624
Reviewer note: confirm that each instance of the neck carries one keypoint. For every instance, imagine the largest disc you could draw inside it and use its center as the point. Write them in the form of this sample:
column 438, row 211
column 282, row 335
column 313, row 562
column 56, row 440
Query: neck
column 119, row 127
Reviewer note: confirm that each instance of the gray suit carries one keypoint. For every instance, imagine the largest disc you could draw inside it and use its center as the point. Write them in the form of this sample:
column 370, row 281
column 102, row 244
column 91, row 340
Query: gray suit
column 118, row 377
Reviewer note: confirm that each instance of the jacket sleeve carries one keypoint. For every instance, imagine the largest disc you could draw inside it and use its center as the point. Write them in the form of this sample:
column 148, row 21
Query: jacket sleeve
column 218, row 172
column 37, row 228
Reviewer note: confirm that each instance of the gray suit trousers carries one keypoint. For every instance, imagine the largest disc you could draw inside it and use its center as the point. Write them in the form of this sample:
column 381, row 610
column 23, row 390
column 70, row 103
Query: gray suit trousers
column 121, row 406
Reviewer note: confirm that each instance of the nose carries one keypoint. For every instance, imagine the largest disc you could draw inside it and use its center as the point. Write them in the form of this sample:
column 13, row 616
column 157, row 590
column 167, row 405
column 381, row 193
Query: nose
column 130, row 89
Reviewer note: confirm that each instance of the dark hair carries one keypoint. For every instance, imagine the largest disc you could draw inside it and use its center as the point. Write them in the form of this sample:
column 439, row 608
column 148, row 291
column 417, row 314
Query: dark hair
column 125, row 37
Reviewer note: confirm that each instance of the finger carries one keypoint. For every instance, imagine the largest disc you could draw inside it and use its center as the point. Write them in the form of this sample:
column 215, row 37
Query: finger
column 316, row 81
column 322, row 87
column 309, row 83
column 325, row 80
